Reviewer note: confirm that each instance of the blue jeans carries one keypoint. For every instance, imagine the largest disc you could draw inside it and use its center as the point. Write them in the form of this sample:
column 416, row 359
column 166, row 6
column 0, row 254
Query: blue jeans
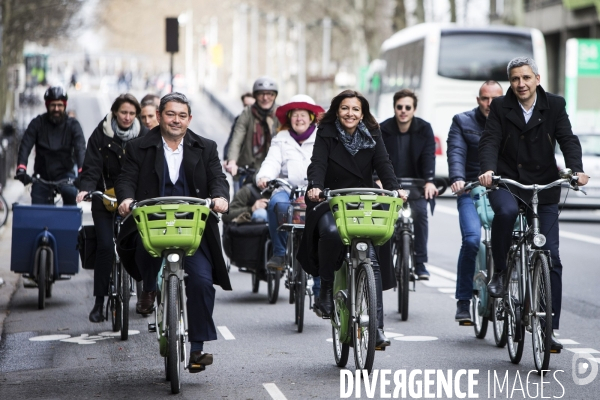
column 470, row 230
column 279, row 239
column 43, row 194
column 260, row 215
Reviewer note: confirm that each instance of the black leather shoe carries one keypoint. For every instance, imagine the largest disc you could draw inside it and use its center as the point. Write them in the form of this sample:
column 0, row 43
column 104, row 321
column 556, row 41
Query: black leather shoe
column 326, row 298
column 496, row 285
column 463, row 314
column 96, row 314
column 555, row 345
column 198, row 361
column 145, row 303
column 380, row 339
column 276, row 262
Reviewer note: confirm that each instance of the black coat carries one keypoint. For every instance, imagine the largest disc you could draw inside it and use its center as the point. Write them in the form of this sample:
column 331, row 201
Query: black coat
column 525, row 152
column 58, row 147
column 142, row 178
column 104, row 159
column 463, row 142
column 422, row 146
column 333, row 167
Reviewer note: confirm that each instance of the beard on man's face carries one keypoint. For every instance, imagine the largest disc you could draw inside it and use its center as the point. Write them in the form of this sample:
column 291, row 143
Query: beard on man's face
column 57, row 117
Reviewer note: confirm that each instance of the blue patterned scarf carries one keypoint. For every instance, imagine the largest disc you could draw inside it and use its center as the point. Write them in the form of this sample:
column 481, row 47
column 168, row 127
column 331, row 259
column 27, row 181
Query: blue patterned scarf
column 361, row 139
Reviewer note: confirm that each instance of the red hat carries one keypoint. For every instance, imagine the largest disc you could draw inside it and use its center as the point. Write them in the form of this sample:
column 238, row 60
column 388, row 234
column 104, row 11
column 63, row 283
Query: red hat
column 298, row 102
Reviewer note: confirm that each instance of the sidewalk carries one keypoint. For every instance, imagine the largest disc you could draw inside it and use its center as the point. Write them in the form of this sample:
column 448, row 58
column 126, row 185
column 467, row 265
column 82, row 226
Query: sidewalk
column 13, row 192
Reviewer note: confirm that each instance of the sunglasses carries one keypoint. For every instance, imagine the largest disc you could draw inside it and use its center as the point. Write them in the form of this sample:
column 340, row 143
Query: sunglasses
column 407, row 108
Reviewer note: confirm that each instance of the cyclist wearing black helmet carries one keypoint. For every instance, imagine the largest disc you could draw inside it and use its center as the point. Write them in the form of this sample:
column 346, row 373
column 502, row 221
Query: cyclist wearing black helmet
column 59, row 145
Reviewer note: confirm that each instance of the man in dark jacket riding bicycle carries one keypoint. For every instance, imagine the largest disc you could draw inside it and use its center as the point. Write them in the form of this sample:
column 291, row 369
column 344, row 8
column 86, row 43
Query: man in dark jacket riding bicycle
column 59, row 145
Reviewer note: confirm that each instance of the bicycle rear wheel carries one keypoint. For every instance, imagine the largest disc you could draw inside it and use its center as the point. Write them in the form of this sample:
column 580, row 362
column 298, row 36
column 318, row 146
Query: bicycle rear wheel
column 42, row 277
column 3, row 210
column 126, row 286
column 300, row 292
column 541, row 313
column 174, row 342
column 404, row 261
column 365, row 325
column 516, row 330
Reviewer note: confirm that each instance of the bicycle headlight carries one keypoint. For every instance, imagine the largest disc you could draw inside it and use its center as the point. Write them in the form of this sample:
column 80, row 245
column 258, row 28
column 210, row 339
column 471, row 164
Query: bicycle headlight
column 361, row 246
column 173, row 257
column 405, row 212
column 539, row 240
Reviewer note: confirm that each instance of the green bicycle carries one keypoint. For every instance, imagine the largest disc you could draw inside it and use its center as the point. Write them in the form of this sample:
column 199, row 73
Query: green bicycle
column 171, row 228
column 360, row 224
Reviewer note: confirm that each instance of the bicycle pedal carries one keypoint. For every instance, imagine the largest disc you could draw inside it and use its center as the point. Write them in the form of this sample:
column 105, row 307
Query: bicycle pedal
column 195, row 368
column 325, row 316
column 382, row 348
column 554, row 351
column 152, row 327
column 465, row 323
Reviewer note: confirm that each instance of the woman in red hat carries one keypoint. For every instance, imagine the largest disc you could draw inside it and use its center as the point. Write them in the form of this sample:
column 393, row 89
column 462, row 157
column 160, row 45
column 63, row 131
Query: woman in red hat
column 288, row 158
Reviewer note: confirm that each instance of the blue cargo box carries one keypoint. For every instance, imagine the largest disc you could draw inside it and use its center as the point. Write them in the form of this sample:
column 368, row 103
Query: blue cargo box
column 29, row 221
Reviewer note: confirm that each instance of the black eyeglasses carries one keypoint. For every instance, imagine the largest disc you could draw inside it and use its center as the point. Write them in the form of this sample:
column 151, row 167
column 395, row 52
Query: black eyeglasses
column 407, row 108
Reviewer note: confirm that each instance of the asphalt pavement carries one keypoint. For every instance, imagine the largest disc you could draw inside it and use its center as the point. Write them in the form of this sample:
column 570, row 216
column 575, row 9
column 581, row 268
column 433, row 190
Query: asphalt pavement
column 57, row 353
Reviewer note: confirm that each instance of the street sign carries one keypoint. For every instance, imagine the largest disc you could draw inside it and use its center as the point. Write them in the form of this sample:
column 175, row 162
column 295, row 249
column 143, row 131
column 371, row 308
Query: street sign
column 583, row 84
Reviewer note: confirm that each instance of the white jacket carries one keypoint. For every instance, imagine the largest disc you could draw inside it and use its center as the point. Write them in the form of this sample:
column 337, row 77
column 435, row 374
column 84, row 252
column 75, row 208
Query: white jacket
column 287, row 159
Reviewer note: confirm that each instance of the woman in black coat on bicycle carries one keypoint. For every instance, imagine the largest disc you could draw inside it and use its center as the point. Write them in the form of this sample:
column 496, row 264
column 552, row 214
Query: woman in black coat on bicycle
column 104, row 158
column 348, row 148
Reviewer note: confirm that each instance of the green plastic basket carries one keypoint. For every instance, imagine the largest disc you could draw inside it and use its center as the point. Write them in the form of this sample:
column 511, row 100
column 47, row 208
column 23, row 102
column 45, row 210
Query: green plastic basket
column 355, row 217
column 171, row 226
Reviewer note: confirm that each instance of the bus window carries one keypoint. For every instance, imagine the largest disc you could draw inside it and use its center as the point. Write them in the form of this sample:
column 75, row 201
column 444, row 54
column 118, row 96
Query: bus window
column 477, row 56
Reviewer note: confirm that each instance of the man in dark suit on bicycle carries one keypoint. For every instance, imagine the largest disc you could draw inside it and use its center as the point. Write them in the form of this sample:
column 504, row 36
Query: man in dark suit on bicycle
column 518, row 143
column 173, row 161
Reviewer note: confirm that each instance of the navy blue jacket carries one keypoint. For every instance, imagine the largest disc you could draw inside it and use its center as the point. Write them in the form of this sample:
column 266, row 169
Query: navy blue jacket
column 463, row 142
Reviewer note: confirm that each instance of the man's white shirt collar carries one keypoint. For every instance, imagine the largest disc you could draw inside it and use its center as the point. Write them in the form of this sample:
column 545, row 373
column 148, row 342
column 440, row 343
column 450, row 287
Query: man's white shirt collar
column 527, row 114
column 174, row 159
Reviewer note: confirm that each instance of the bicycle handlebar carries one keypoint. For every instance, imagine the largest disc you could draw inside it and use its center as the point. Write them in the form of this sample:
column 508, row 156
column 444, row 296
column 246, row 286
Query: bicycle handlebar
column 66, row 181
column 538, row 188
column 101, row 194
column 328, row 193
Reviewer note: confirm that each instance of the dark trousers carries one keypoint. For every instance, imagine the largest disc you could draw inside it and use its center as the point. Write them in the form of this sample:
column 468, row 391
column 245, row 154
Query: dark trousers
column 104, row 225
column 421, row 225
column 199, row 288
column 43, row 194
column 506, row 210
column 331, row 251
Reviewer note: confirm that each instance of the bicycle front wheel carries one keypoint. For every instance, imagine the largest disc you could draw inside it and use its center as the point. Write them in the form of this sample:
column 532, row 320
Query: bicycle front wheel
column 126, row 286
column 498, row 322
column 42, row 277
column 404, row 261
column 541, row 313
column 3, row 210
column 513, row 300
column 273, row 278
column 174, row 342
column 118, row 301
column 365, row 325
column 300, row 294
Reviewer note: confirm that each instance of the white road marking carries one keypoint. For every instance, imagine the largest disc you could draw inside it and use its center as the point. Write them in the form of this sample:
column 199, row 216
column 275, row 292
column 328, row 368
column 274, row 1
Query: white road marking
column 568, row 341
column 49, row 338
column 447, row 290
column 442, row 272
column 225, row 333
column 580, row 237
column 584, row 350
column 115, row 334
column 274, row 391
column 416, row 338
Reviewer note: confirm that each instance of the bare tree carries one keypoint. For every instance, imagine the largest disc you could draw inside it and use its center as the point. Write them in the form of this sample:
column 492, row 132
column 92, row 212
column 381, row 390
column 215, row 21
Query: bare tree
column 399, row 20
column 452, row 10
column 420, row 11
column 29, row 20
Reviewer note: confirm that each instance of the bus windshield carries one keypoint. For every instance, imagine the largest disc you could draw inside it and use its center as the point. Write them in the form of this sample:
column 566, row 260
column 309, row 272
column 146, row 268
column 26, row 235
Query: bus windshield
column 477, row 56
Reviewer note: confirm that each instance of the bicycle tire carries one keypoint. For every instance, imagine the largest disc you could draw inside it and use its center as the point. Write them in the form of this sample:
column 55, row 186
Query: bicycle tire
column 341, row 351
column 42, row 277
column 118, row 300
column 49, row 274
column 291, row 274
column 255, row 282
column 480, row 323
column 273, row 278
column 515, row 328
column 541, row 304
column 498, row 323
column 125, row 295
column 112, row 299
column 173, row 318
column 404, row 276
column 3, row 210
column 300, row 296
column 363, row 334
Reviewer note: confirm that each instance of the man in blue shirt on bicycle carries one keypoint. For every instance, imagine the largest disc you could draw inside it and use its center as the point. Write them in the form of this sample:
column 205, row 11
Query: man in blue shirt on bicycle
column 518, row 143
column 171, row 160
column 463, row 166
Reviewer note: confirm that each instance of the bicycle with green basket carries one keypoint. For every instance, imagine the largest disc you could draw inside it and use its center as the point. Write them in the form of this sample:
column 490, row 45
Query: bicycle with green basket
column 172, row 228
column 361, row 224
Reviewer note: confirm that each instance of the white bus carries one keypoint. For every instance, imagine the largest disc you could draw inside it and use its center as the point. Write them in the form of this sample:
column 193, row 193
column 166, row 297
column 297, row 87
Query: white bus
column 445, row 65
